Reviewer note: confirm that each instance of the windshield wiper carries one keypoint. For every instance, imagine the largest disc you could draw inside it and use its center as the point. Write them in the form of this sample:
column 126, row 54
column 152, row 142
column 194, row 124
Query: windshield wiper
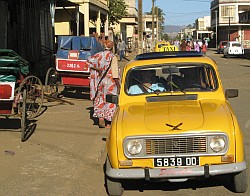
column 172, row 84
column 141, row 83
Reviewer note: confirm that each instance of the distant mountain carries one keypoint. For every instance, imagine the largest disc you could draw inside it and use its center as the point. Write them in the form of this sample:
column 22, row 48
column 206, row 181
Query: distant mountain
column 173, row 28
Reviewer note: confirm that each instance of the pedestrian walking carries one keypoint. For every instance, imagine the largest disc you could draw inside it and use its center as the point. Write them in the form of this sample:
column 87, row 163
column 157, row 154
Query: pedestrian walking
column 189, row 48
column 204, row 47
column 197, row 47
column 104, row 79
column 183, row 45
column 121, row 49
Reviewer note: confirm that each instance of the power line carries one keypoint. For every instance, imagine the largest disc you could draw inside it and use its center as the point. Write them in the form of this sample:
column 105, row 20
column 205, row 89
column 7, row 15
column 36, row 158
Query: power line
column 200, row 12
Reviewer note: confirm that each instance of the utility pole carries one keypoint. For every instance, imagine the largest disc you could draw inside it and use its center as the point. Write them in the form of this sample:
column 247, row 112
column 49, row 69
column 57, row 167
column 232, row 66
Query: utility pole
column 140, row 26
column 77, row 21
column 229, row 29
column 153, row 22
column 229, row 14
column 157, row 24
column 216, row 23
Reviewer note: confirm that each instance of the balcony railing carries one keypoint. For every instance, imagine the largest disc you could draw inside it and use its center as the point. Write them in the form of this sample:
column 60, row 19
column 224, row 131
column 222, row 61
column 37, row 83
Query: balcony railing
column 216, row 2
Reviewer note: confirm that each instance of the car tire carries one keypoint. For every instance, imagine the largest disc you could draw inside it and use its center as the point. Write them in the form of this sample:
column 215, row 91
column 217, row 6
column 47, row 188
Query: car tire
column 113, row 186
column 239, row 182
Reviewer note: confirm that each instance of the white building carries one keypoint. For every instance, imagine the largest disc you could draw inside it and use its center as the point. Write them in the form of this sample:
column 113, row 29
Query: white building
column 203, row 23
column 78, row 17
column 202, row 26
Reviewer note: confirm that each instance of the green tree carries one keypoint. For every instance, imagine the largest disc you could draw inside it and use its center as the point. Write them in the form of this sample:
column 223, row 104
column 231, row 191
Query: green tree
column 191, row 26
column 165, row 37
column 117, row 10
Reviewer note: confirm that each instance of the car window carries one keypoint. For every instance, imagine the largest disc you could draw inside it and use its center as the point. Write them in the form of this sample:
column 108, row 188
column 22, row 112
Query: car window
column 170, row 78
column 224, row 43
column 236, row 45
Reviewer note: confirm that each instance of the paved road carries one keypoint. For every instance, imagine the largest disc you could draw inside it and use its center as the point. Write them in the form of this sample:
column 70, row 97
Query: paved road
column 64, row 155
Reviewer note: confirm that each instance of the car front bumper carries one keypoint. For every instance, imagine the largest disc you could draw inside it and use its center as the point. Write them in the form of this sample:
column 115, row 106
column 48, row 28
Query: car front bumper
column 172, row 173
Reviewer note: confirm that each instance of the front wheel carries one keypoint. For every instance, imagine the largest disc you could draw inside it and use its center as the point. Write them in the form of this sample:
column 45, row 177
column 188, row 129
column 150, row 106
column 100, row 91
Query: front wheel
column 113, row 186
column 34, row 89
column 239, row 182
column 51, row 82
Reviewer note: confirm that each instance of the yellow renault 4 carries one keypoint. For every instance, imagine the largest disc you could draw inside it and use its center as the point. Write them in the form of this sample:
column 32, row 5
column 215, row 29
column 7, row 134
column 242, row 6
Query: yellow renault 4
column 174, row 123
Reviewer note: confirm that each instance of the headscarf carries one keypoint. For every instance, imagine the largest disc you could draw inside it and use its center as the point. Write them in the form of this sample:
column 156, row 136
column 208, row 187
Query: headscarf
column 109, row 45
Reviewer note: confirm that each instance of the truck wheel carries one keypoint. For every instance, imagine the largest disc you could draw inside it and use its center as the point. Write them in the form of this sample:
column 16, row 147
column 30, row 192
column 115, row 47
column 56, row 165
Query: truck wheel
column 239, row 182
column 113, row 186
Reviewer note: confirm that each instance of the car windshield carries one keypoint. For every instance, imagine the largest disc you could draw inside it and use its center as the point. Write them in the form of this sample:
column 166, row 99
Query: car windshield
column 161, row 45
column 159, row 79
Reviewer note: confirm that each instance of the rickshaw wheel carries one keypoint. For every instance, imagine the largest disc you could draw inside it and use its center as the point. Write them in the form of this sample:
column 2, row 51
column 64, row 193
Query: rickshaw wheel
column 34, row 101
column 24, row 115
column 51, row 82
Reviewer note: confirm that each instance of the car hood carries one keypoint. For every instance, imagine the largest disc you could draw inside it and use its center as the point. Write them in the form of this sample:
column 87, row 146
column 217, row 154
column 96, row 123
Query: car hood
column 175, row 116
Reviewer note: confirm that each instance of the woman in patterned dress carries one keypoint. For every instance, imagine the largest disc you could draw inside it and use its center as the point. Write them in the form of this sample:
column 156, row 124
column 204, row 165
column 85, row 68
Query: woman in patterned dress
column 104, row 79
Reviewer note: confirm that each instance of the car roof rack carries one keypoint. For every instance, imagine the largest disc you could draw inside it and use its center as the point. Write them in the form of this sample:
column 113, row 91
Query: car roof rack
column 174, row 54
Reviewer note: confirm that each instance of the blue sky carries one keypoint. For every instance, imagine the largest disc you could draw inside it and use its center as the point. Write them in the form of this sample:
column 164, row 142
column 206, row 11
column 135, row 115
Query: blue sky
column 180, row 12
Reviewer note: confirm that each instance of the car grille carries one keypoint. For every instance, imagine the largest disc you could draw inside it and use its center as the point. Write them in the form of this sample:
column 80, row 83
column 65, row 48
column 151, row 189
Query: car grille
column 176, row 145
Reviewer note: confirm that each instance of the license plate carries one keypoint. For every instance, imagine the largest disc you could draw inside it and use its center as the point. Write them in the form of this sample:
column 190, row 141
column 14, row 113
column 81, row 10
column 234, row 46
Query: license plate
column 176, row 161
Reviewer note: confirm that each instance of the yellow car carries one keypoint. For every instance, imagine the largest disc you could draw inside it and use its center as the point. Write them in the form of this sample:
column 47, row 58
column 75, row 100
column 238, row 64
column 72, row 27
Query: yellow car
column 165, row 47
column 173, row 123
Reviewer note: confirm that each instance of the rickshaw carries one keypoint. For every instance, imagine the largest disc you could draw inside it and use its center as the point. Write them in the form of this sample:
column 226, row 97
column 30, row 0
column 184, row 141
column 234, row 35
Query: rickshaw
column 21, row 94
column 71, row 69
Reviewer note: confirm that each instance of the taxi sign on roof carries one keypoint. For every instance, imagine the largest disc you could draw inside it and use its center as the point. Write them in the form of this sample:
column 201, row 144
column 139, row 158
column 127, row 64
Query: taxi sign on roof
column 169, row 48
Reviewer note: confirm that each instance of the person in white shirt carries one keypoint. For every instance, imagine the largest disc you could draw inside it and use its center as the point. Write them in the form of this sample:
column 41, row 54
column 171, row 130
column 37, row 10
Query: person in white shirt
column 121, row 49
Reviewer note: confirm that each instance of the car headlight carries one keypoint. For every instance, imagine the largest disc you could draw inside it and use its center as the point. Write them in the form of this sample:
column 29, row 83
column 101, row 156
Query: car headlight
column 134, row 147
column 217, row 143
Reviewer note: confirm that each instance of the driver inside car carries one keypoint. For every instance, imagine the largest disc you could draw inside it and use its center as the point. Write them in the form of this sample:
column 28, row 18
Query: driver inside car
column 189, row 78
column 146, row 83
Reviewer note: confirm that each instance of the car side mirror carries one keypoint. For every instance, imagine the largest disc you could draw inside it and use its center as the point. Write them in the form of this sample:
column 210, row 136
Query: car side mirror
column 231, row 93
column 112, row 98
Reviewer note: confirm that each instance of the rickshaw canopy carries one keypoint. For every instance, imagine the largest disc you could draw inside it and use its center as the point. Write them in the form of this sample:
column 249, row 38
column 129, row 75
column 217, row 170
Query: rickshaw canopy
column 11, row 64
column 86, row 46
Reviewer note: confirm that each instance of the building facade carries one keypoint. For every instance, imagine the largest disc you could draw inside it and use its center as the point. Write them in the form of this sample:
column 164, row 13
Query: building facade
column 77, row 17
column 225, row 20
column 203, row 23
column 202, row 28
column 128, row 25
